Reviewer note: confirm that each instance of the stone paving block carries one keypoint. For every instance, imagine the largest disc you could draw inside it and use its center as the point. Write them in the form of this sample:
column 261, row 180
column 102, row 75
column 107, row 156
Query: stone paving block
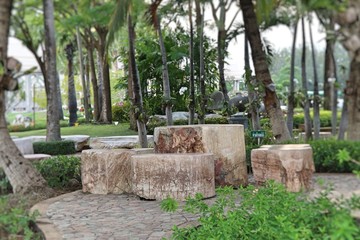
column 289, row 164
column 105, row 171
column 225, row 141
column 157, row 176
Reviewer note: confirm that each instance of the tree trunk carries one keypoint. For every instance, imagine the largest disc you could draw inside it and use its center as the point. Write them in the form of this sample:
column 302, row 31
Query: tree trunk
column 133, row 124
column 100, row 82
column 165, row 73
column 202, row 78
column 316, row 98
column 82, row 75
column 353, row 98
column 329, row 66
column 334, row 98
column 307, row 119
column 221, row 65
column 251, row 84
column 94, row 83
column 291, row 97
column 106, row 113
column 53, row 125
column 140, row 115
column 22, row 175
column 72, row 104
column 192, row 80
column 271, row 101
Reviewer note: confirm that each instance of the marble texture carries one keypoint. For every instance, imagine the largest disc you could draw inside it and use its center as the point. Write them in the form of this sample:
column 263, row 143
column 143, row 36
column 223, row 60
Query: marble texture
column 225, row 141
column 158, row 176
column 289, row 164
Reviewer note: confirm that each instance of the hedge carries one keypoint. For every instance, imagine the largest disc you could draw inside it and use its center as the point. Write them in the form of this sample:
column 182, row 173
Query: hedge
column 55, row 147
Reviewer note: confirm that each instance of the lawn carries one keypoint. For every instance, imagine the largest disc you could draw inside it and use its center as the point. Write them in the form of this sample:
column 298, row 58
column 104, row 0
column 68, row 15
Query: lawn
column 85, row 129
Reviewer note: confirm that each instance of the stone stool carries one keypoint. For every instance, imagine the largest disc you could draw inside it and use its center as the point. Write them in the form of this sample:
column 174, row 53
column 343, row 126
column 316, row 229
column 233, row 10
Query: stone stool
column 225, row 141
column 157, row 176
column 289, row 164
column 106, row 171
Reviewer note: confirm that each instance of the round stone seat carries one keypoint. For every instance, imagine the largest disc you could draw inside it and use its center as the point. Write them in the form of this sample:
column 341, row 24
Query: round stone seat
column 158, row 176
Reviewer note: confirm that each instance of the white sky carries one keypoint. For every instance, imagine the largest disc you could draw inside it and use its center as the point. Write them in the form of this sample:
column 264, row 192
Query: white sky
column 280, row 37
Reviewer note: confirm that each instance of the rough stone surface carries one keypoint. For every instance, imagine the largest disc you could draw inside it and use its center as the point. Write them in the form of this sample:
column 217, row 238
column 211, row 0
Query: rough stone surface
column 226, row 142
column 106, row 171
column 81, row 141
column 290, row 164
column 157, row 176
column 117, row 142
column 36, row 157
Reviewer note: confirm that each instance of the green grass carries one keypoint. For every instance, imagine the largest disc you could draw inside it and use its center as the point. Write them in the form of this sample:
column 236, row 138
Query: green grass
column 85, row 129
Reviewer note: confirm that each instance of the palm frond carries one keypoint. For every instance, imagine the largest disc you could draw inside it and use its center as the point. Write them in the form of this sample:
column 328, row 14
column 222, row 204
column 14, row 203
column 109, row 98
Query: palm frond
column 118, row 19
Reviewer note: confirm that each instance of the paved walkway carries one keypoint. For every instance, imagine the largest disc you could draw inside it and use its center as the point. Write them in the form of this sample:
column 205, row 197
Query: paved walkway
column 79, row 216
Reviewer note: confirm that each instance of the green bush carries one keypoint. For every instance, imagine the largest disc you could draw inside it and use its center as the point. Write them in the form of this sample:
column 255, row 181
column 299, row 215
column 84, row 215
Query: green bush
column 156, row 122
column 325, row 155
column 325, row 118
column 55, row 147
column 120, row 112
column 270, row 212
column 15, row 221
column 60, row 171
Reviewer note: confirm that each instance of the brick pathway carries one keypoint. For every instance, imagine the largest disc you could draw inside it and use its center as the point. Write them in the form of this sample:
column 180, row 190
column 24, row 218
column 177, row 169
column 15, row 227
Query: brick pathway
column 79, row 216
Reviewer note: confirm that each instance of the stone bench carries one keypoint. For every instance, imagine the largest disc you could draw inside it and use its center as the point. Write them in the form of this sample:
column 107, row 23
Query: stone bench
column 105, row 171
column 289, row 164
column 158, row 176
column 225, row 141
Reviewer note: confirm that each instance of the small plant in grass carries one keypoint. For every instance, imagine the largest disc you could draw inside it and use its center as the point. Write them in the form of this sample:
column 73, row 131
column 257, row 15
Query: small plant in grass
column 15, row 222
column 60, row 171
column 270, row 212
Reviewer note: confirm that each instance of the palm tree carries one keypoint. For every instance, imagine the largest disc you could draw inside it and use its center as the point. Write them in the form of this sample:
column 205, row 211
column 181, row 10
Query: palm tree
column 20, row 172
column 271, row 101
column 72, row 104
column 191, row 62
column 123, row 14
column 53, row 130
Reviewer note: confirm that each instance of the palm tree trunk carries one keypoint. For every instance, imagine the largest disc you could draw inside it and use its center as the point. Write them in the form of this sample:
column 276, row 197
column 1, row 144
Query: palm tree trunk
column 191, row 57
column 82, row 75
column 20, row 172
column 165, row 73
column 316, row 89
column 329, row 66
column 308, row 128
column 53, row 125
column 251, row 83
column 140, row 115
column 271, row 101
column 94, row 83
column 344, row 116
column 221, row 65
column 200, row 36
column 72, row 104
column 291, row 97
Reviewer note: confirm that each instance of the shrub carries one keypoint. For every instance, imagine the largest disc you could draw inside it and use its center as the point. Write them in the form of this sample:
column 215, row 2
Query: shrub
column 156, row 122
column 55, row 147
column 15, row 221
column 60, row 171
column 120, row 112
column 269, row 212
column 325, row 155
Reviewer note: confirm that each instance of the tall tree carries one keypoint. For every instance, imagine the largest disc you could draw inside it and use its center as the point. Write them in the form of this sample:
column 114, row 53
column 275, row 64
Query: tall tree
column 349, row 20
column 191, row 66
column 20, row 172
column 271, row 101
column 52, row 120
column 72, row 104
column 123, row 14
column 316, row 97
column 306, row 102
column 219, row 13
column 165, row 73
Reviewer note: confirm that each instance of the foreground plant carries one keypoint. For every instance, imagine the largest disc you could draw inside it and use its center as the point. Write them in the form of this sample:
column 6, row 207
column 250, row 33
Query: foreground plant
column 270, row 212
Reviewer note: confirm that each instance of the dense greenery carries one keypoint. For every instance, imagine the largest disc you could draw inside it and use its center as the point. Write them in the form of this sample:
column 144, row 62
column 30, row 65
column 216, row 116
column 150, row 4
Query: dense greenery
column 269, row 212
column 55, row 147
column 120, row 112
column 60, row 171
column 15, row 221
column 325, row 155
